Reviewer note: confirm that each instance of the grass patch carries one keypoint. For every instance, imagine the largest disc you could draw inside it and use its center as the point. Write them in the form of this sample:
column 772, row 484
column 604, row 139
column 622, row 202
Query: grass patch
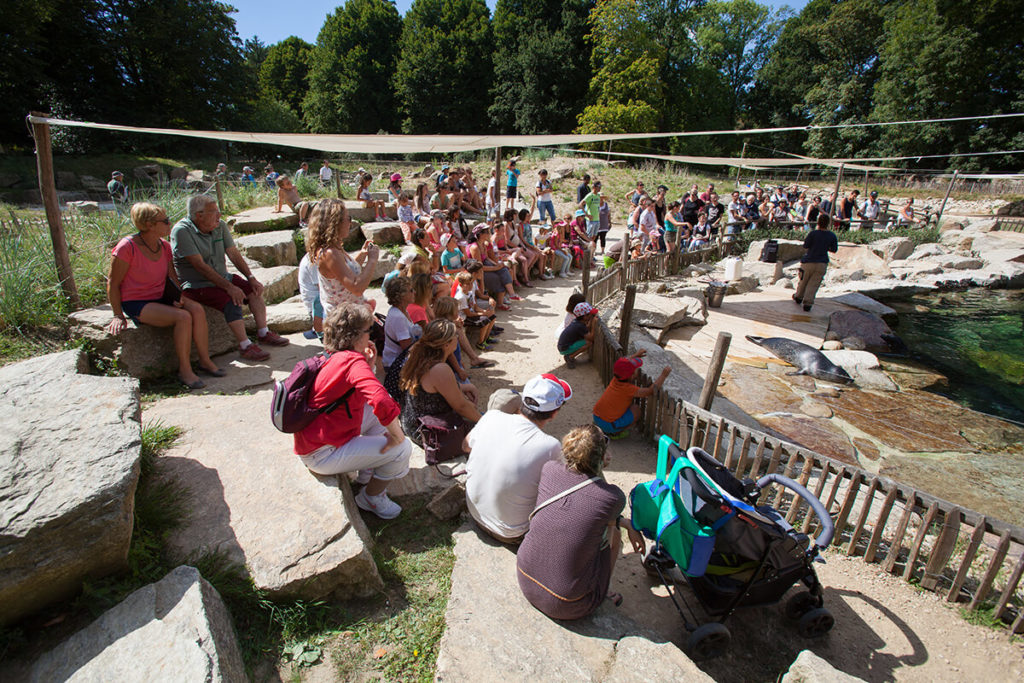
column 983, row 616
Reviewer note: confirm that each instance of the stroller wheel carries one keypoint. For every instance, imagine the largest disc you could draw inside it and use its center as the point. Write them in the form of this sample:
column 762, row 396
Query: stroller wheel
column 708, row 641
column 800, row 604
column 816, row 623
column 655, row 560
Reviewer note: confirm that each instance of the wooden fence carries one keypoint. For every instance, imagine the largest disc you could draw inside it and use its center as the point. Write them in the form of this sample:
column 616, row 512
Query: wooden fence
column 1009, row 223
column 942, row 547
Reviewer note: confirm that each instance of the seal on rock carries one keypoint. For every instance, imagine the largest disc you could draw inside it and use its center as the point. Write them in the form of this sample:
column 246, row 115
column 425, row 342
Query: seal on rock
column 808, row 360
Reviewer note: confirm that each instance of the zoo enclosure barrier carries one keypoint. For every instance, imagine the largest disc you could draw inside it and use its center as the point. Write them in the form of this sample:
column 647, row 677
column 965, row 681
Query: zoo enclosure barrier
column 945, row 548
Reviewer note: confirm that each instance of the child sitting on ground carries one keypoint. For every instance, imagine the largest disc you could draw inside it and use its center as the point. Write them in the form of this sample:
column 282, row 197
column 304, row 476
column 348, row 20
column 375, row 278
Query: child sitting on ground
column 578, row 337
column 473, row 315
column 286, row 193
column 574, row 299
column 615, row 411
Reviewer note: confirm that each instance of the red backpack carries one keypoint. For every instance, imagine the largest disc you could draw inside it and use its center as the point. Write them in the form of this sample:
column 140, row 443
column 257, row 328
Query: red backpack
column 289, row 410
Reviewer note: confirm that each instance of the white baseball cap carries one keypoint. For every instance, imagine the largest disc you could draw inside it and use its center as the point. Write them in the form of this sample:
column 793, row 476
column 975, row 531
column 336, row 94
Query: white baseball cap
column 545, row 393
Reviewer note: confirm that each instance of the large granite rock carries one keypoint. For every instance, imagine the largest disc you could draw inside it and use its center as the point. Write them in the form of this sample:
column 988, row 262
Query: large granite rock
column 69, row 465
column 298, row 535
column 84, row 207
column 1011, row 209
column 810, row 668
column 863, row 367
column 383, row 233
column 789, row 250
column 866, row 303
column 263, row 219
column 143, row 351
column 270, row 248
column 925, row 250
column 893, row 248
column 860, row 257
column 175, row 629
column 93, row 184
column 493, row 632
column 279, row 282
column 685, row 307
column 287, row 317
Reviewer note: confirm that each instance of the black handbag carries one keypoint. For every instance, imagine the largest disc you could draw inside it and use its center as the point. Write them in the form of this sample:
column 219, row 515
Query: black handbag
column 442, row 436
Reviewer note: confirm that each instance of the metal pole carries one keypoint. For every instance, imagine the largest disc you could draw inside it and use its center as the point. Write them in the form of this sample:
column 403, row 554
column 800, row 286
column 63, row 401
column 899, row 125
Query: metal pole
column 949, row 189
column 497, row 180
column 626, row 318
column 707, row 394
column 48, row 190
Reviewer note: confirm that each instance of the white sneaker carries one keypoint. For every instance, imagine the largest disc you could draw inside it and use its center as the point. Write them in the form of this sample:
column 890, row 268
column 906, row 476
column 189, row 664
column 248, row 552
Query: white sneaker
column 364, row 477
column 381, row 505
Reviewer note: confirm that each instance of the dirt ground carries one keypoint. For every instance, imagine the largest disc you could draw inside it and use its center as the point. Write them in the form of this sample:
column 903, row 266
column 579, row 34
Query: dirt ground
column 885, row 630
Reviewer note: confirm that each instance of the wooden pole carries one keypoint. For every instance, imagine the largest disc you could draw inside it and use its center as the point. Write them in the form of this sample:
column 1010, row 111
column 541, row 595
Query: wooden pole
column 48, row 190
column 949, row 189
column 835, row 202
column 586, row 276
column 337, row 183
column 626, row 318
column 743, row 153
column 624, row 262
column 707, row 394
column 497, row 181
column 220, row 196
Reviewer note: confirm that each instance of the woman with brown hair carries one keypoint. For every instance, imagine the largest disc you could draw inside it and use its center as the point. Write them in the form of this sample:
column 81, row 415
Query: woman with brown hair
column 138, row 287
column 429, row 382
column 342, row 279
column 565, row 562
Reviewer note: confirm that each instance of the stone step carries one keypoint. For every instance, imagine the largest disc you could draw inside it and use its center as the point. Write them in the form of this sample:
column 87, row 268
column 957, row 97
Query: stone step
column 383, row 233
column 358, row 210
column 175, row 629
column 263, row 219
column 299, row 535
column 69, row 463
column 270, row 249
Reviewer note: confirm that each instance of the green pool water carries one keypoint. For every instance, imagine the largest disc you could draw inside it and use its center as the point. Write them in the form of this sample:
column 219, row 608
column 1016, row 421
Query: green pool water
column 976, row 339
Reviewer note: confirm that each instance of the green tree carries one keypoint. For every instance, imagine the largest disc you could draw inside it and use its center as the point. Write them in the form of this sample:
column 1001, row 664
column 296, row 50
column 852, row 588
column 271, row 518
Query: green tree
column 22, row 64
column 946, row 59
column 626, row 88
column 351, row 69
column 445, row 62
column 282, row 74
column 541, row 65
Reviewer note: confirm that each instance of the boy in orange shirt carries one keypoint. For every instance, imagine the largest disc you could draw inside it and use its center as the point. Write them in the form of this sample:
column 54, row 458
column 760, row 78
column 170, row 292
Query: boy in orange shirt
column 615, row 410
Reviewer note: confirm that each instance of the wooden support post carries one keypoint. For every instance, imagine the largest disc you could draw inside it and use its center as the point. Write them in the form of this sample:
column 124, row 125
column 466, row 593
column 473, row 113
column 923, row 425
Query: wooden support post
column 624, row 261
column 337, row 183
column 941, row 550
column 839, row 180
column 586, row 276
column 48, row 190
column 220, row 195
column 866, row 172
column 707, row 394
column 626, row 319
column 743, row 153
column 949, row 189
column 497, row 184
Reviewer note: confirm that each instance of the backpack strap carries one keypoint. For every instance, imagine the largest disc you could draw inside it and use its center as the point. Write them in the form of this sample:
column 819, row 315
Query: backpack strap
column 341, row 400
column 563, row 494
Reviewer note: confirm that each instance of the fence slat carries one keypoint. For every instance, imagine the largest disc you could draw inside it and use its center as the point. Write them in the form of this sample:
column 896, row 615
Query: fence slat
column 741, row 464
column 818, row 488
column 758, row 457
column 880, row 522
column 990, row 575
column 862, row 518
column 805, row 476
column 1010, row 587
column 942, row 550
column 719, row 430
column 922, row 532
column 901, row 529
column 965, row 563
column 731, row 449
column 848, row 501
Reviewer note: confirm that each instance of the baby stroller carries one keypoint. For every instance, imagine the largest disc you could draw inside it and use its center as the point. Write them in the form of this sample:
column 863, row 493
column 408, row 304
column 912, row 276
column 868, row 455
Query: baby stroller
column 733, row 552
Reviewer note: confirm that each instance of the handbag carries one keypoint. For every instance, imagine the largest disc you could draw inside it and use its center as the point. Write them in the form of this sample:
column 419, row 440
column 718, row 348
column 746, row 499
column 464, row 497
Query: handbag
column 663, row 509
column 442, row 436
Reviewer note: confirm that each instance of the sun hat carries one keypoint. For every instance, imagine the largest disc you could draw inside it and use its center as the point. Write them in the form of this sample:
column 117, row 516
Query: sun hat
column 582, row 309
column 505, row 400
column 395, row 177
column 545, row 393
column 580, row 212
column 115, row 174
column 626, row 366
column 445, row 239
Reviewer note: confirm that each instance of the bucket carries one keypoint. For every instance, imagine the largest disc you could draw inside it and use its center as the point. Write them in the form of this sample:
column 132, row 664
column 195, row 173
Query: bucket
column 716, row 293
column 733, row 268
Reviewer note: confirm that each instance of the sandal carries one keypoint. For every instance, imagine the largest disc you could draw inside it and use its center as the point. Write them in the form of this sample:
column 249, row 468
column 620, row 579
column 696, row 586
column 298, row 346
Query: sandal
column 504, row 307
column 482, row 364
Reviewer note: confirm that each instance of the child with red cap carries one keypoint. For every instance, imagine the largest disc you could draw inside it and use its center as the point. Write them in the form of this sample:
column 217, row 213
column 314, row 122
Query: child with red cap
column 615, row 411
column 578, row 336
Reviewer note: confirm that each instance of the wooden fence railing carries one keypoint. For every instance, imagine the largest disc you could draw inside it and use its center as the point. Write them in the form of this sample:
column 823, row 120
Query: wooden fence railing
column 1009, row 223
column 945, row 548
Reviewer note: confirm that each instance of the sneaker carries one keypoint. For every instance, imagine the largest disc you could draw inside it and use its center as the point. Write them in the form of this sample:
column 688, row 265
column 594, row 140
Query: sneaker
column 491, row 341
column 504, row 307
column 381, row 505
column 570, row 363
column 619, row 435
column 254, row 352
column 546, row 276
column 514, row 297
column 364, row 477
column 273, row 339
column 497, row 330
column 482, row 346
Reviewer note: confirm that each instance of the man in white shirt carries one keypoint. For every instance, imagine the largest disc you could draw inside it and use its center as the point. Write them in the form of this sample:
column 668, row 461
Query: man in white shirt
column 326, row 174
column 869, row 212
column 506, row 454
column 545, row 201
column 648, row 219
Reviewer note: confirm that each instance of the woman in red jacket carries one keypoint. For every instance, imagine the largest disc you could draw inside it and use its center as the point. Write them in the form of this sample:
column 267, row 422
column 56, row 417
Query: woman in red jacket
column 363, row 433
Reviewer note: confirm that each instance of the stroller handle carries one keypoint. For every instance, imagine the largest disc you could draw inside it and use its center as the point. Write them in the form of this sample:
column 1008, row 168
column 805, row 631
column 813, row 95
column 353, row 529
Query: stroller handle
column 828, row 528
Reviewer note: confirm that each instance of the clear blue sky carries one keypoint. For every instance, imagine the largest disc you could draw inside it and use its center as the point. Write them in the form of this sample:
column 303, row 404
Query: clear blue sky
column 274, row 20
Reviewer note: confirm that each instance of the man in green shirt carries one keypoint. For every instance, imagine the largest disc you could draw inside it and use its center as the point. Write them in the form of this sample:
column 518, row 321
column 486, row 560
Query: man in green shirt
column 592, row 205
column 201, row 243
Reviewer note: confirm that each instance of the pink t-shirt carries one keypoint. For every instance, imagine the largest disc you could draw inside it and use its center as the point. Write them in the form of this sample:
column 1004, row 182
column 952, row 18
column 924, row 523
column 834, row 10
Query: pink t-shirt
column 145, row 279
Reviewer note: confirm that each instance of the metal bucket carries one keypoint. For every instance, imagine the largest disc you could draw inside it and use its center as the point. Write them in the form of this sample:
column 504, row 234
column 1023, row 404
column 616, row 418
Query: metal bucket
column 716, row 293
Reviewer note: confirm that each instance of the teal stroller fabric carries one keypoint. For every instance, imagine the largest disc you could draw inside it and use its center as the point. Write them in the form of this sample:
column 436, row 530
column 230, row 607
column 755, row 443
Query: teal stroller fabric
column 665, row 508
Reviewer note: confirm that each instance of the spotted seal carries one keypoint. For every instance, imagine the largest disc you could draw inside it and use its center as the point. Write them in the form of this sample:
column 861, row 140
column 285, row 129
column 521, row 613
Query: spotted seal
column 807, row 359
